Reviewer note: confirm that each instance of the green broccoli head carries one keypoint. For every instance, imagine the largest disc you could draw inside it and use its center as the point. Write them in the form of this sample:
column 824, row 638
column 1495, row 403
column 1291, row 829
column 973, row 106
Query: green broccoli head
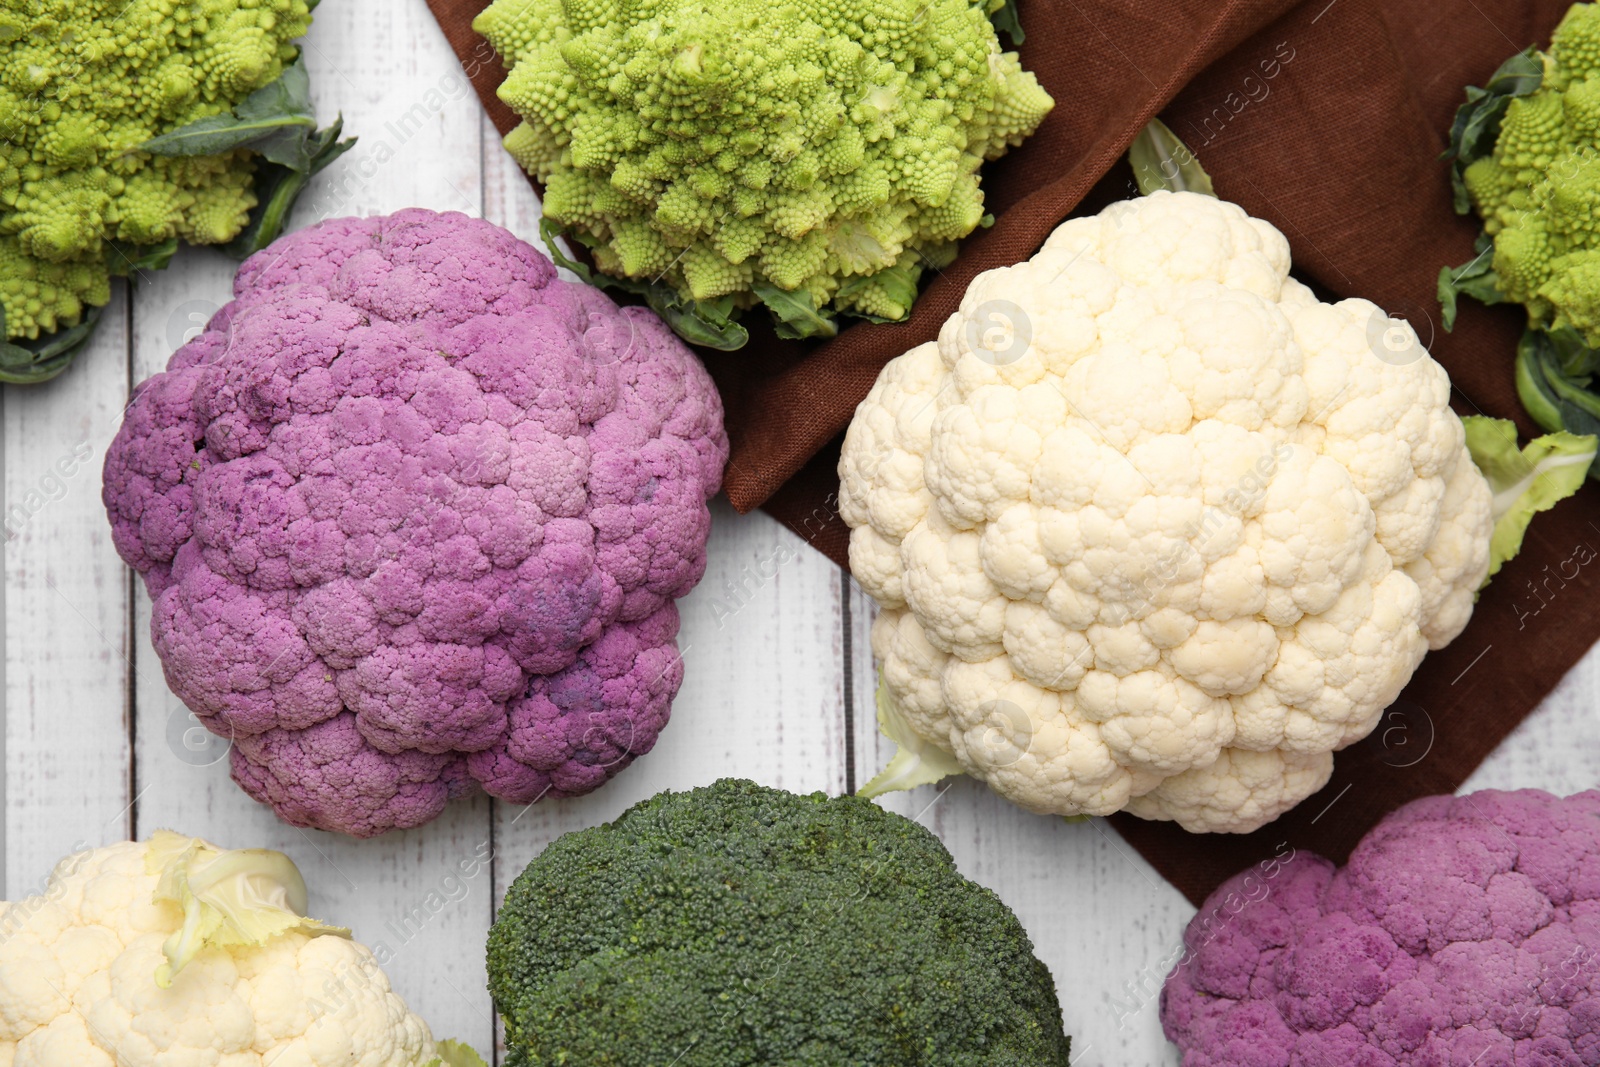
column 725, row 145
column 84, row 83
column 756, row 926
column 1539, row 192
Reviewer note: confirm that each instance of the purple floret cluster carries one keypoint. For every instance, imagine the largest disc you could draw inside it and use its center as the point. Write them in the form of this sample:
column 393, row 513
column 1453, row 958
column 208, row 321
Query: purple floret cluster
column 1463, row 931
column 414, row 513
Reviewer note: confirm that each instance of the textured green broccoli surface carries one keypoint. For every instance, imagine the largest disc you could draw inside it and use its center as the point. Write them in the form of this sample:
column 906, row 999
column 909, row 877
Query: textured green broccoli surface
column 84, row 83
column 1539, row 191
column 736, row 926
column 726, row 147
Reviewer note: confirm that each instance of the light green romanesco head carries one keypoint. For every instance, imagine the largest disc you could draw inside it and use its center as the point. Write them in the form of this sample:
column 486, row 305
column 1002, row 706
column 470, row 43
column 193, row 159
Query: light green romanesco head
column 83, row 83
column 726, row 145
column 1539, row 193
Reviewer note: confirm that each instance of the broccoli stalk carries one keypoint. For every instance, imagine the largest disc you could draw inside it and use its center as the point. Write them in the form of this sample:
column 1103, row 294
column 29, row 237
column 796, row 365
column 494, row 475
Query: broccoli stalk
column 754, row 926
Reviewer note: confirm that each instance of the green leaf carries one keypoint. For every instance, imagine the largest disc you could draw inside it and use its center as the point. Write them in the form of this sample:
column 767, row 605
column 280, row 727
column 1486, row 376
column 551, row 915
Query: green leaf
column 277, row 187
column 124, row 260
column 1476, row 279
column 899, row 282
column 1553, row 371
column 1161, row 161
column 456, row 1054
column 1476, row 127
column 700, row 322
column 229, row 898
column 1571, row 355
column 32, row 362
column 708, row 323
column 796, row 316
column 275, row 121
column 1527, row 481
column 916, row 762
column 549, row 231
column 1004, row 17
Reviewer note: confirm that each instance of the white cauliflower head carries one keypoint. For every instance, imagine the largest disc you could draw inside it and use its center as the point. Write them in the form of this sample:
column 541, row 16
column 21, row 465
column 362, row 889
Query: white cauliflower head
column 249, row 983
column 1152, row 528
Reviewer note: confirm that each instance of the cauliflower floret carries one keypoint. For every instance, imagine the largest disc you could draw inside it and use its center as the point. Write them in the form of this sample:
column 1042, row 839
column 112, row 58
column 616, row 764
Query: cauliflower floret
column 82, row 966
column 1194, row 528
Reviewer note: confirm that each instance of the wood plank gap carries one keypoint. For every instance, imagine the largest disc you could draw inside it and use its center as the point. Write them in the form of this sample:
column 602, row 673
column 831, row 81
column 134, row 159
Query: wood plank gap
column 847, row 635
column 130, row 700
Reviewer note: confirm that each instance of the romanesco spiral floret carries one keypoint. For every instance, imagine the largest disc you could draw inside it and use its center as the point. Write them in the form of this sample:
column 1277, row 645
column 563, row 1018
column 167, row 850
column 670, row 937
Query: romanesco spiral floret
column 39, row 296
column 1575, row 46
column 722, row 145
column 1539, row 194
column 83, row 83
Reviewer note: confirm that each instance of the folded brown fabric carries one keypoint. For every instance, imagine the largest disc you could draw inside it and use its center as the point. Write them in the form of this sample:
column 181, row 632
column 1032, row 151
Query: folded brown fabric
column 1327, row 119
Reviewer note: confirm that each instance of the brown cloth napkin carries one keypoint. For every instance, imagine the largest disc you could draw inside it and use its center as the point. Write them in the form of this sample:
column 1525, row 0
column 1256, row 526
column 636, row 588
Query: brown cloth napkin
column 1327, row 119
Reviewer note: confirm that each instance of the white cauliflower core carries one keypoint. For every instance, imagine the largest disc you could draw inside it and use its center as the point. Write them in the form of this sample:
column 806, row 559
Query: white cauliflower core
column 1154, row 529
column 78, row 986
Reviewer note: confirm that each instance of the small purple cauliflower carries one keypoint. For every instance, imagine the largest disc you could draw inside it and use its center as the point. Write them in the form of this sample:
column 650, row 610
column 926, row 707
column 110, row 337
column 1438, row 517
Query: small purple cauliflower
column 1463, row 931
column 414, row 514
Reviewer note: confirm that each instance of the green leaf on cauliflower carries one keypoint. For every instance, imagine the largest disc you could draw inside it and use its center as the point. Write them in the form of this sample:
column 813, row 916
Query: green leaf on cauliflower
column 1526, row 481
column 278, row 123
column 274, row 120
column 1476, row 278
column 1477, row 123
column 794, row 315
column 1003, row 13
column 916, row 762
column 1553, row 372
column 278, row 186
column 700, row 322
column 32, row 362
column 1161, row 160
column 456, row 1054
column 229, row 898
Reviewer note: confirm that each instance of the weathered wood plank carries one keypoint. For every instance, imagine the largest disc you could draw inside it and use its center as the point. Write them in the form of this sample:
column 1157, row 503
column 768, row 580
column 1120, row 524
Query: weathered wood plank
column 66, row 614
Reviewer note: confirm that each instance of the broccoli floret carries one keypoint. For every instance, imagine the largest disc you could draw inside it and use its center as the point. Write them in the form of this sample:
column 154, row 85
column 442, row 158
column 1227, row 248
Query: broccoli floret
column 720, row 146
column 755, row 927
column 84, row 83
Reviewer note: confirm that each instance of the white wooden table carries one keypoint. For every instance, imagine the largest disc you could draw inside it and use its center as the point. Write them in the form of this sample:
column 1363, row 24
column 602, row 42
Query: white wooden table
column 778, row 675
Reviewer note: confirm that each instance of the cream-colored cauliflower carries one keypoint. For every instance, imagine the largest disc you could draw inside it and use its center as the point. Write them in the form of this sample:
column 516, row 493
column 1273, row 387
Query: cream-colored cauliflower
column 250, row 984
column 1152, row 528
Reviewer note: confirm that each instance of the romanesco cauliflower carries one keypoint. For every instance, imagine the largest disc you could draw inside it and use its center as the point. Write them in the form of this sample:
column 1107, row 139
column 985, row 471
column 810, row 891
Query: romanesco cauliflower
column 85, row 83
column 1539, row 190
column 742, row 150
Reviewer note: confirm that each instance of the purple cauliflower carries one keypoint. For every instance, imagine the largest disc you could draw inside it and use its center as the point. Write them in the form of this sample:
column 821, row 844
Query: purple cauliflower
column 1463, row 931
column 414, row 513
